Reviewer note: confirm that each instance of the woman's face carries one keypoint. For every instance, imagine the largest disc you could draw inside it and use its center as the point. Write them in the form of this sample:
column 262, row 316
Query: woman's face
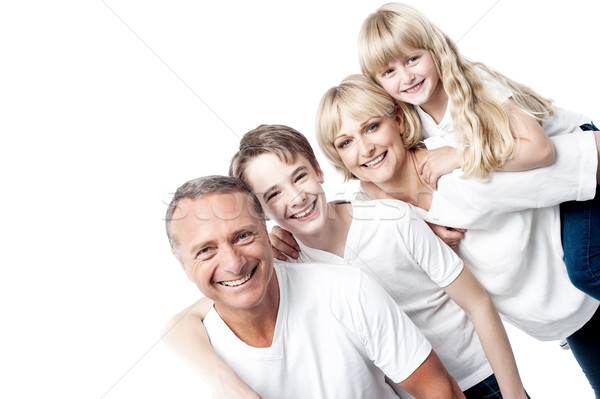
column 371, row 149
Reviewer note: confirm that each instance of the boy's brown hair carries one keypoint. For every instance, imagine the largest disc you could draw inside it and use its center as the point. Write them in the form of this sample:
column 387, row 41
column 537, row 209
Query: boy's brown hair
column 283, row 141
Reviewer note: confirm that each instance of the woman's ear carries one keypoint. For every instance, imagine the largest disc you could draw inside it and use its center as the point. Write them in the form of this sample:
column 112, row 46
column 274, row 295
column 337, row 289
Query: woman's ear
column 399, row 118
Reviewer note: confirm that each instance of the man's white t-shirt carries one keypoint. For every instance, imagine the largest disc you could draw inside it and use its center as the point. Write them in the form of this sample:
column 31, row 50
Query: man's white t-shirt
column 338, row 334
column 388, row 241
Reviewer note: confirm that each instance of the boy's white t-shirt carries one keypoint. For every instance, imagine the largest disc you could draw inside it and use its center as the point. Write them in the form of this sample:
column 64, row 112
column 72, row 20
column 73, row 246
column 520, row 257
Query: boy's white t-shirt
column 337, row 335
column 389, row 242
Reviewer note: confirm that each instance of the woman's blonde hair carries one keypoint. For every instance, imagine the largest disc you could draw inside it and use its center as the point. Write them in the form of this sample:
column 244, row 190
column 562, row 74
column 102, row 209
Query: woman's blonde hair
column 481, row 122
column 358, row 97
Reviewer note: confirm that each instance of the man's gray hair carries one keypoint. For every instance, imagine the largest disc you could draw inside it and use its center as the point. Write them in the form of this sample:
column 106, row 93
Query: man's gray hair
column 201, row 186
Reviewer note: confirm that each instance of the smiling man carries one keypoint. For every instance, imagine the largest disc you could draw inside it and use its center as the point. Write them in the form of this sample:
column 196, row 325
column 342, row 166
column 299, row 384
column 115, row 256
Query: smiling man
column 294, row 331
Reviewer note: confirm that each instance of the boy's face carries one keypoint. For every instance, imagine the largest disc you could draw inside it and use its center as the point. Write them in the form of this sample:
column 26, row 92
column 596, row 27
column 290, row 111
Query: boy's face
column 290, row 193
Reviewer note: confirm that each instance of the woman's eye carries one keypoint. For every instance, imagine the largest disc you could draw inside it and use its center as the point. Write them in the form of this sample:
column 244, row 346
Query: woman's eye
column 343, row 144
column 372, row 127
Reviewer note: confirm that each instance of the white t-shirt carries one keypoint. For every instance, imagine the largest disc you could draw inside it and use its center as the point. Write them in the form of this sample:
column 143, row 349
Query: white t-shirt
column 513, row 243
column 389, row 242
column 442, row 134
column 337, row 335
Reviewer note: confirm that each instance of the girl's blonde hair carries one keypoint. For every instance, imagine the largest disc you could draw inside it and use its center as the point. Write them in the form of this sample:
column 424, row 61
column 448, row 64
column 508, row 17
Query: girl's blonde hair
column 361, row 99
column 481, row 122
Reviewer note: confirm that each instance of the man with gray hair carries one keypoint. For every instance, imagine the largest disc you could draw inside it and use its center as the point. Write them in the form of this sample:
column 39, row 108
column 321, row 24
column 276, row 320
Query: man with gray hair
column 293, row 331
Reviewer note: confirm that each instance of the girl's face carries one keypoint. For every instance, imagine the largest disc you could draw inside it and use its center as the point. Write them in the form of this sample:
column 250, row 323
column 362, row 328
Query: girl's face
column 412, row 79
column 291, row 194
column 372, row 149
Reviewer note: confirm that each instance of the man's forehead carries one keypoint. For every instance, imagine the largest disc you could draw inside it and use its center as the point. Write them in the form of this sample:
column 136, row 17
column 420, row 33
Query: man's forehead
column 221, row 206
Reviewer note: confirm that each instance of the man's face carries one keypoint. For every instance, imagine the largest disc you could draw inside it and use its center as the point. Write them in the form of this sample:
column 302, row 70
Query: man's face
column 224, row 249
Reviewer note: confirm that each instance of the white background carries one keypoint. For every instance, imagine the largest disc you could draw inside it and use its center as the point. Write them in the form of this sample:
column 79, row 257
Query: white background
column 106, row 107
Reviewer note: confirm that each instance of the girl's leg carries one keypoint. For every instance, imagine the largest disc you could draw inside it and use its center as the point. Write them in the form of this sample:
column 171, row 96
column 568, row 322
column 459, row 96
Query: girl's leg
column 585, row 345
column 581, row 243
column 581, row 240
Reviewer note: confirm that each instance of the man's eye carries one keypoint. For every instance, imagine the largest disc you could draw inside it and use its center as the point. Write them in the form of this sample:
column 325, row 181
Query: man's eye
column 245, row 236
column 204, row 252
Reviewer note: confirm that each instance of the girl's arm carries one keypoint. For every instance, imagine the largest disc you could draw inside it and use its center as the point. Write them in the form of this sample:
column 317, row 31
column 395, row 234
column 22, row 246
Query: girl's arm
column 533, row 147
column 185, row 335
column 468, row 293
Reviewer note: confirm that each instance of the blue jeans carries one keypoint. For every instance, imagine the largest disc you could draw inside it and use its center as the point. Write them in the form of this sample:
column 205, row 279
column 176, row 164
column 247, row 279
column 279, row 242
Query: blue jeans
column 580, row 221
column 585, row 345
column 486, row 389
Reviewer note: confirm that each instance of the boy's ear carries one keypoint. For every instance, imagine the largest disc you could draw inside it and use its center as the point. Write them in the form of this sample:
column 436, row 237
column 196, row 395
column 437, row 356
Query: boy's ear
column 320, row 173
column 400, row 118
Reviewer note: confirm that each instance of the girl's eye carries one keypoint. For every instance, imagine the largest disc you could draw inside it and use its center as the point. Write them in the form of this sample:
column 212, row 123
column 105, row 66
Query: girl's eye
column 387, row 72
column 412, row 60
column 299, row 177
column 343, row 144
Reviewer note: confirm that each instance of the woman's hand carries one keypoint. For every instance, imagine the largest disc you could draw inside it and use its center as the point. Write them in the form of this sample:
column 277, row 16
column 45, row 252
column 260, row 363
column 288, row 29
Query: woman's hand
column 449, row 235
column 283, row 243
column 437, row 163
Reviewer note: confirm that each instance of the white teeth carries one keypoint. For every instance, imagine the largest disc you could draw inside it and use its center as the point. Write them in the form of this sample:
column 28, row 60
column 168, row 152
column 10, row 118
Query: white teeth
column 235, row 283
column 375, row 161
column 305, row 213
column 414, row 88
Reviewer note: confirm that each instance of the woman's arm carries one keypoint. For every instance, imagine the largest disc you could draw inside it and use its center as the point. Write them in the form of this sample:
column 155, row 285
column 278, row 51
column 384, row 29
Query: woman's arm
column 468, row 293
column 185, row 335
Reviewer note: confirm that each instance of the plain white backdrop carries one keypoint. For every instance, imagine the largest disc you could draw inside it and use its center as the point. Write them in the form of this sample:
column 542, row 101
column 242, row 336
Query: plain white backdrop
column 106, row 107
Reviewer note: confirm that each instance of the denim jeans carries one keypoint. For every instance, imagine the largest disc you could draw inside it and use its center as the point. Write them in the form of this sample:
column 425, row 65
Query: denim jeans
column 580, row 221
column 585, row 345
column 486, row 389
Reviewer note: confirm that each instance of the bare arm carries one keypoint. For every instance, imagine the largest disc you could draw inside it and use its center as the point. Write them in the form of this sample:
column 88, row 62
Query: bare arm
column 185, row 335
column 468, row 293
column 534, row 148
column 431, row 381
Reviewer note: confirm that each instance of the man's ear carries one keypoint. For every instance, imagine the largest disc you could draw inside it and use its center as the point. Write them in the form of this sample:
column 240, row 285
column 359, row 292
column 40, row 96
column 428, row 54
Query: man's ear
column 185, row 271
column 319, row 172
column 400, row 118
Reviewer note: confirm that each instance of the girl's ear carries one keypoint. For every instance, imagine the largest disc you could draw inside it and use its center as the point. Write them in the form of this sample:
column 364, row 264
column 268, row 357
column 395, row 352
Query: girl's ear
column 399, row 118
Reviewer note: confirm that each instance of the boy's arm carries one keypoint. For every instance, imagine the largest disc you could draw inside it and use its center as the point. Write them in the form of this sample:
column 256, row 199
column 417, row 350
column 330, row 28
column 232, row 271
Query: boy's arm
column 431, row 380
column 468, row 293
column 533, row 146
column 185, row 335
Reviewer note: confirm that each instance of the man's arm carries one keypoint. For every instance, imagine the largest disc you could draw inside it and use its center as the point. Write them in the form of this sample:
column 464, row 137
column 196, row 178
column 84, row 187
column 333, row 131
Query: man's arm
column 468, row 293
column 431, row 380
column 185, row 335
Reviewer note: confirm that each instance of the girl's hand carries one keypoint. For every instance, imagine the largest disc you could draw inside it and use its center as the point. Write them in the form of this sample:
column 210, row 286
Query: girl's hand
column 437, row 163
column 449, row 235
column 283, row 243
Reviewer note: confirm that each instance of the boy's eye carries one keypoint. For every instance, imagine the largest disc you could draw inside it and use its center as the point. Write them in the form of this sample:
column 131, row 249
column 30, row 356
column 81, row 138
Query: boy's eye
column 272, row 195
column 299, row 177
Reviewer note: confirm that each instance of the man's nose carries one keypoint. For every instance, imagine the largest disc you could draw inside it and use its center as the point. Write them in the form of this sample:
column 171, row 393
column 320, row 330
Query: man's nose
column 232, row 260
